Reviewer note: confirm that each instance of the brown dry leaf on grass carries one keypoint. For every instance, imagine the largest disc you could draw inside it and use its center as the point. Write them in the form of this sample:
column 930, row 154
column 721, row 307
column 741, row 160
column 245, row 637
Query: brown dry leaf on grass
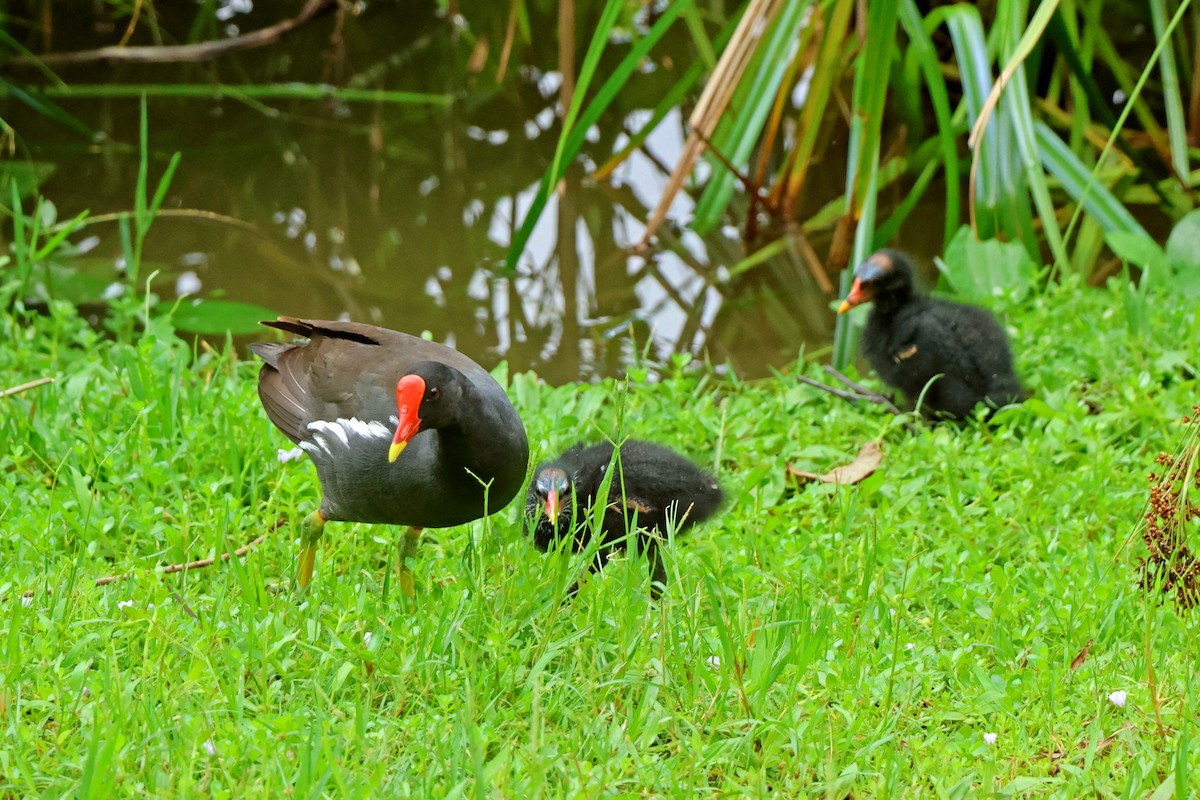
column 1077, row 662
column 864, row 464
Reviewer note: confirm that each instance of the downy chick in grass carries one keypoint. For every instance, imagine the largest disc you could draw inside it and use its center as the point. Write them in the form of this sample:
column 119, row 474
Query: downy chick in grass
column 656, row 487
column 913, row 341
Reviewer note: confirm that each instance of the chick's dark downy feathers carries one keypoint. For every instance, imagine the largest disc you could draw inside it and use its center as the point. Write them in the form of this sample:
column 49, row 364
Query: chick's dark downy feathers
column 912, row 341
column 655, row 486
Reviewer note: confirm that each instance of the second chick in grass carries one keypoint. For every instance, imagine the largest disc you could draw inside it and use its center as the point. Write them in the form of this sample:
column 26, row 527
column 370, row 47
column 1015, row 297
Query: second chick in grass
column 654, row 486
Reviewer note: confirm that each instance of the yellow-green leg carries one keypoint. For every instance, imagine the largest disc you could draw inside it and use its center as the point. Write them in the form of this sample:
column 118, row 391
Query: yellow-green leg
column 408, row 549
column 310, row 534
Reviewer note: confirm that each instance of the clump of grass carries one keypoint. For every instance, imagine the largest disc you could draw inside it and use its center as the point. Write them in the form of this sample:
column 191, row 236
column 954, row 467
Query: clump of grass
column 1170, row 566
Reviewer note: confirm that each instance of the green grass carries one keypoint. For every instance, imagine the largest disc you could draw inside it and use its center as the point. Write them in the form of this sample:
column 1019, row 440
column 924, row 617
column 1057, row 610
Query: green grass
column 812, row 642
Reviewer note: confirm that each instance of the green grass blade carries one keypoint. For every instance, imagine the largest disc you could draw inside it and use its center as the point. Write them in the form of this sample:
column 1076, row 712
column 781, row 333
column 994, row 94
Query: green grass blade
column 704, row 45
column 37, row 101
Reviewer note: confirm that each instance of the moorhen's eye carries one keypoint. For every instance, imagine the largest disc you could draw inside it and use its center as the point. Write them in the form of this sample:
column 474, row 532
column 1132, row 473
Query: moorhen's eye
column 434, row 393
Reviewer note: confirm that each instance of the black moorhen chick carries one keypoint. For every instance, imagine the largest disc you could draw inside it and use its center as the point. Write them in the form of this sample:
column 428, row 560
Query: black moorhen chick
column 402, row 431
column 911, row 339
column 663, row 489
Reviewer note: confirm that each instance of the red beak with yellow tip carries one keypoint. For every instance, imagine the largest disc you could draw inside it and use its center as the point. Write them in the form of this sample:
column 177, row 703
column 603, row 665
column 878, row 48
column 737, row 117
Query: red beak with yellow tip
column 552, row 506
column 856, row 297
column 409, row 391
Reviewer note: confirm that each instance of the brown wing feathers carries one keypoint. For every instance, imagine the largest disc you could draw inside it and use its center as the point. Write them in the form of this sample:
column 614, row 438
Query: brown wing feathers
column 282, row 390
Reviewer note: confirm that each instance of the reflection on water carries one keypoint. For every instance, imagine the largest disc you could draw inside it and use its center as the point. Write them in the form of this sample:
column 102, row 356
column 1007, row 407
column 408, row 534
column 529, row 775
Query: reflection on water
column 401, row 215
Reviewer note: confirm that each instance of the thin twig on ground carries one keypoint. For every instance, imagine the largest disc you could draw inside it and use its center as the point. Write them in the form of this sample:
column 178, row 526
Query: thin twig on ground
column 856, row 392
column 25, row 386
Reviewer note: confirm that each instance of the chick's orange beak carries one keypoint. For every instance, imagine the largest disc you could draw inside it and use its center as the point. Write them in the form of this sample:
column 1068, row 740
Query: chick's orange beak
column 409, row 391
column 552, row 505
column 856, row 297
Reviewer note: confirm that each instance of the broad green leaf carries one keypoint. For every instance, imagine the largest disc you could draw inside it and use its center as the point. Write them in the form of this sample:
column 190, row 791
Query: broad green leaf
column 1183, row 245
column 219, row 316
column 27, row 175
column 1141, row 252
column 982, row 270
column 1183, row 254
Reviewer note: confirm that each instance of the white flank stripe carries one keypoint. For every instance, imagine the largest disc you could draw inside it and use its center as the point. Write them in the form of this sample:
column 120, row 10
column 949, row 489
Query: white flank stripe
column 324, row 432
column 366, row 430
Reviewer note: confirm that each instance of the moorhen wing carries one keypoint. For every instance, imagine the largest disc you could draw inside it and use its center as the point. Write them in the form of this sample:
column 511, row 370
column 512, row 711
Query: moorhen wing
column 959, row 351
column 402, row 431
column 655, row 485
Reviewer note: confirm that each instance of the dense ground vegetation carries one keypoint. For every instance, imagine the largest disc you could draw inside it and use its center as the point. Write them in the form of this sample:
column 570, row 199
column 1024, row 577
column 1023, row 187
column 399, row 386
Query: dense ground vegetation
column 865, row 640
column 972, row 618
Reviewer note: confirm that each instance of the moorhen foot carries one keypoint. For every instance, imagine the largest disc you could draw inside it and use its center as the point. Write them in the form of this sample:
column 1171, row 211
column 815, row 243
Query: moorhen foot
column 657, row 487
column 956, row 354
column 402, row 431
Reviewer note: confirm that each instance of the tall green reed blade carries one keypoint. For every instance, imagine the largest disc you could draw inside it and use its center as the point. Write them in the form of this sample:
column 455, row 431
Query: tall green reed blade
column 671, row 101
column 1088, row 100
column 999, row 194
column 145, row 207
column 1172, row 92
column 1124, row 73
column 1074, row 176
column 920, row 51
column 825, row 75
column 577, row 122
column 862, row 167
column 738, row 132
column 20, row 246
column 870, row 95
column 1131, row 104
column 1016, row 104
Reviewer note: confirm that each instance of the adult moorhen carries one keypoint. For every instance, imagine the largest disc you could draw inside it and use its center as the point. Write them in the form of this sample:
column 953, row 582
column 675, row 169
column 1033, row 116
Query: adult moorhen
column 662, row 488
column 960, row 352
column 402, row 431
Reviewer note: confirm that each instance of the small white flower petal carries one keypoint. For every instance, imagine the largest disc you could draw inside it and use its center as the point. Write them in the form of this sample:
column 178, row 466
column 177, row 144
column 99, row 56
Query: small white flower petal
column 124, row 604
column 1118, row 698
column 910, row 646
column 187, row 283
column 209, row 747
column 714, row 661
column 989, row 738
column 367, row 639
column 27, row 601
